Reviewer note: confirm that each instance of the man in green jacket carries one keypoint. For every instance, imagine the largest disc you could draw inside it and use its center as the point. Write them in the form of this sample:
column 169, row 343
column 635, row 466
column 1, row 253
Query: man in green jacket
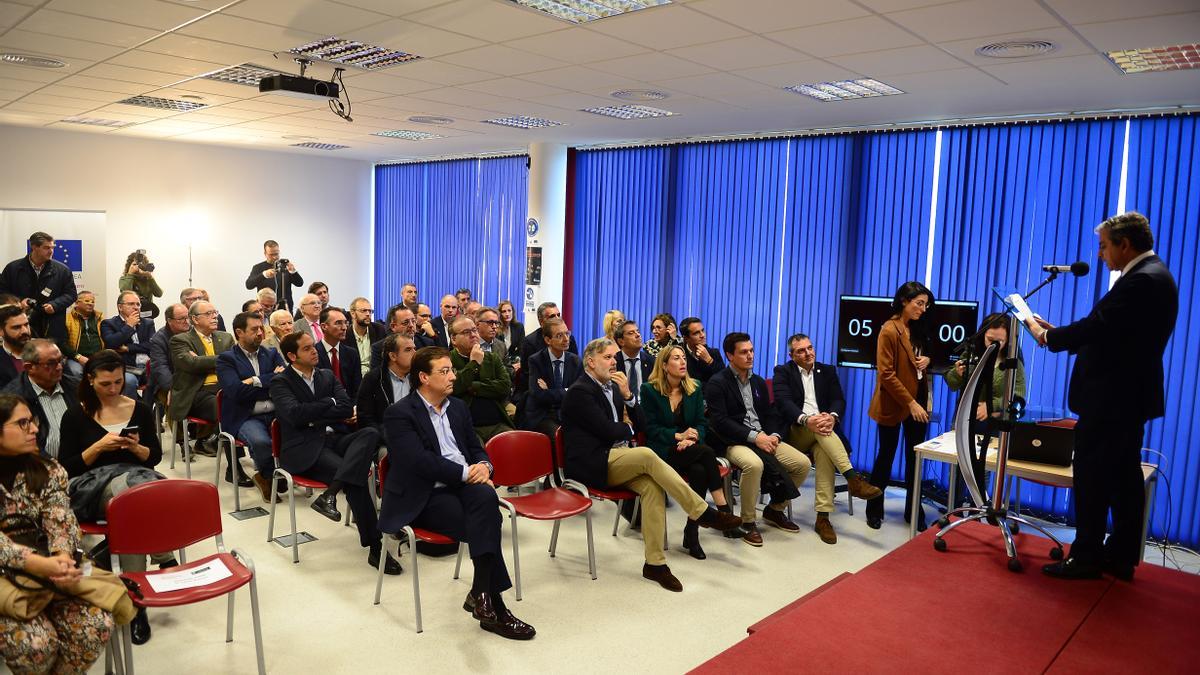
column 483, row 383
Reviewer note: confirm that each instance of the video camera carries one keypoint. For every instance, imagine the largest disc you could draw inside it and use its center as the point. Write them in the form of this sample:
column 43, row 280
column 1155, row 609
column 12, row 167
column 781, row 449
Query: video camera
column 142, row 261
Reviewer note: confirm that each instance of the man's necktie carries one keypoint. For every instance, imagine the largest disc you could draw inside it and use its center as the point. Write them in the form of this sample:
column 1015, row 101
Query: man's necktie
column 633, row 376
column 336, row 365
column 558, row 378
column 316, row 329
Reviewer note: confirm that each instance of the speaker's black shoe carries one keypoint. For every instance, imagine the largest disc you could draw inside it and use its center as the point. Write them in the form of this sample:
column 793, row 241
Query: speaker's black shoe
column 139, row 628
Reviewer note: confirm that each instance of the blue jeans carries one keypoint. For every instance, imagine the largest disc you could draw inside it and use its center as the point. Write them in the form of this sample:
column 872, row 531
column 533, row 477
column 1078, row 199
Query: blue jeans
column 256, row 433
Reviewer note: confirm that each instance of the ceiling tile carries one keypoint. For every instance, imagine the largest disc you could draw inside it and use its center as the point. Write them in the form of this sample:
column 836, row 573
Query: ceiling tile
column 391, row 7
column 84, row 28
column 59, row 111
column 1096, row 11
column 99, row 97
column 463, row 97
column 1158, row 31
column 83, row 128
column 386, row 82
column 413, row 38
column 23, row 86
column 1068, row 45
column 744, row 52
column 188, row 47
column 1063, row 72
column 144, row 13
column 575, row 101
column 11, row 15
column 238, row 113
column 275, row 105
column 490, row 21
column 502, row 60
column 904, row 60
column 101, row 84
column 204, row 86
column 58, row 47
column 798, row 72
column 652, row 66
column 577, row 45
column 972, row 18
column 726, row 88
column 137, row 58
column 314, row 16
column 438, row 72
column 248, row 33
column 666, row 27
column 78, row 104
column 846, row 37
column 127, row 74
column 514, row 88
column 884, row 6
column 577, row 78
column 40, row 75
column 119, row 111
column 761, row 16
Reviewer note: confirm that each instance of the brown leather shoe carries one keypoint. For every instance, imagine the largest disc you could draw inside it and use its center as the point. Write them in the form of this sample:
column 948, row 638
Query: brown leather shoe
column 662, row 575
column 264, row 488
column 718, row 520
column 509, row 626
column 752, row 536
column 484, row 609
column 779, row 519
column 825, row 529
column 857, row 487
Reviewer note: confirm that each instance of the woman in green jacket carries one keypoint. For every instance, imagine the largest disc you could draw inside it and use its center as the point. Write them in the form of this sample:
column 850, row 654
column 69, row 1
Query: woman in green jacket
column 675, row 428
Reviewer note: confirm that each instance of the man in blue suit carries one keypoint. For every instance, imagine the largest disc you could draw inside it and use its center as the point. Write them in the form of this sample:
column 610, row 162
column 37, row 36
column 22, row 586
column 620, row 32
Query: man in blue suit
column 245, row 373
column 128, row 334
column 335, row 355
column 551, row 372
column 441, row 481
column 631, row 360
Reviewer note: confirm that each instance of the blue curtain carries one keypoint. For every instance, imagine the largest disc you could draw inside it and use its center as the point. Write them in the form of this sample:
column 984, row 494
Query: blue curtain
column 446, row 225
column 1164, row 184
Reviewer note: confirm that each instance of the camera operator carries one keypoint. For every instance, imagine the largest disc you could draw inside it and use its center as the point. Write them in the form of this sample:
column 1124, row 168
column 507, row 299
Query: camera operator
column 139, row 278
column 275, row 273
column 45, row 286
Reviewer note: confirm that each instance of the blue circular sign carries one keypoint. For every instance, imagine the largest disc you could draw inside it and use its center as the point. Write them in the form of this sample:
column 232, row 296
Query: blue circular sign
column 531, row 226
column 529, row 293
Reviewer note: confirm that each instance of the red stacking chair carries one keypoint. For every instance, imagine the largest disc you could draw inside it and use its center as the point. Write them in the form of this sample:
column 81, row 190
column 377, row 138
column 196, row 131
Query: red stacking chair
column 183, row 437
column 167, row 515
column 291, row 482
column 520, row 457
column 615, row 495
column 414, row 535
column 226, row 440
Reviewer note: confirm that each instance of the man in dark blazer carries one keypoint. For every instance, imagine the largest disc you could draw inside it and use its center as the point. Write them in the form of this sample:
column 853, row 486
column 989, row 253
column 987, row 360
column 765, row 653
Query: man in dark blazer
column 158, row 381
column 809, row 398
column 128, row 334
column 481, row 380
column 441, row 481
column 629, row 351
column 535, row 341
column 312, row 410
column 44, row 285
column 548, row 382
column 746, row 428
column 245, row 373
column 14, row 333
column 448, row 310
column 194, row 381
column 271, row 274
column 702, row 361
column 43, row 380
column 599, row 453
column 345, row 365
column 401, row 320
column 1116, row 387
column 381, row 387
column 363, row 332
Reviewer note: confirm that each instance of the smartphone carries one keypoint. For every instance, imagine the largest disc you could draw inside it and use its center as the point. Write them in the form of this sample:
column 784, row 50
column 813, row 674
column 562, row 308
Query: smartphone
column 129, row 431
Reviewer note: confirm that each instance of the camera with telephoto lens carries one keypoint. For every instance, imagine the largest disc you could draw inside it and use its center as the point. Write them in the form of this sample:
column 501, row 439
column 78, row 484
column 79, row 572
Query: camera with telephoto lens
column 281, row 264
column 143, row 262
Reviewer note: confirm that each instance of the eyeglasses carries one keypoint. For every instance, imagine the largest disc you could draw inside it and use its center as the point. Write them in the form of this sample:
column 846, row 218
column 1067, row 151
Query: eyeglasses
column 210, row 313
column 444, row 371
column 192, row 298
column 408, row 322
column 469, row 331
column 561, row 336
column 491, row 322
column 24, row 423
column 130, row 304
column 50, row 364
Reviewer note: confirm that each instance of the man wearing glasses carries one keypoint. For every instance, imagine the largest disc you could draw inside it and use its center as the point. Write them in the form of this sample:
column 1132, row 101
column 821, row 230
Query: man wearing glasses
column 551, row 371
column 158, row 382
column 401, row 321
column 129, row 334
column 42, row 387
column 334, row 352
column 366, row 332
column 194, row 384
column 481, row 381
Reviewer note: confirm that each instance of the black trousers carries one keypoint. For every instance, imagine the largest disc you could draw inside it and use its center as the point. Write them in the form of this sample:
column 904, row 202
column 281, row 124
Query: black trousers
column 347, row 458
column 881, row 473
column 1108, row 477
column 469, row 513
column 698, row 466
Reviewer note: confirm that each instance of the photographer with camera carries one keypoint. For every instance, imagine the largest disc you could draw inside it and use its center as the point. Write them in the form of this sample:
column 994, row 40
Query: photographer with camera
column 139, row 278
column 275, row 273
column 45, row 287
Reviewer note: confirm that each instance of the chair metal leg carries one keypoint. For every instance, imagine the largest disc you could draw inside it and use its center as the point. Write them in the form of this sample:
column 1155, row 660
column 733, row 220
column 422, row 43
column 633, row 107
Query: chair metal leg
column 187, row 450
column 554, row 537
column 516, row 553
column 382, row 562
column 257, row 619
column 591, row 546
column 229, row 618
column 127, row 643
column 295, row 539
column 617, row 520
column 412, row 547
column 174, row 442
column 114, row 650
column 458, row 561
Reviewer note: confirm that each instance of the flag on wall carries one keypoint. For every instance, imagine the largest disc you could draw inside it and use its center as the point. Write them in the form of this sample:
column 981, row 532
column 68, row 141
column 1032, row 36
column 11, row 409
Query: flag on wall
column 70, row 253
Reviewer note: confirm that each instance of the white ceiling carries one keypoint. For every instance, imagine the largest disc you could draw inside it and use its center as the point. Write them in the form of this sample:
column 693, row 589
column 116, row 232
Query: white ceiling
column 724, row 63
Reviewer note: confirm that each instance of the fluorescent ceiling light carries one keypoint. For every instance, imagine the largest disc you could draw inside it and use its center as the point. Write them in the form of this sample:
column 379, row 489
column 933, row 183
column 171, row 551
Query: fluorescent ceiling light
column 640, row 95
column 523, row 122
column 320, row 146
column 1156, row 59
column 583, row 11
column 162, row 103
column 96, row 121
column 630, row 112
column 408, row 135
column 31, row 61
column 353, row 53
column 247, row 74
column 844, row 90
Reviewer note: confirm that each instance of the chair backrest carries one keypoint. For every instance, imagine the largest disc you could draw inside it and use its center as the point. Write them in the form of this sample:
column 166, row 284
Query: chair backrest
column 519, row 457
column 220, row 394
column 770, row 390
column 559, row 453
column 275, row 442
column 163, row 515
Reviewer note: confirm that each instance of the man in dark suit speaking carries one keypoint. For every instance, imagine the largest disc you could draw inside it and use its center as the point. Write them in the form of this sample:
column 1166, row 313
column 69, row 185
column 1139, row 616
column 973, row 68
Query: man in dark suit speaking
column 1116, row 386
column 441, row 481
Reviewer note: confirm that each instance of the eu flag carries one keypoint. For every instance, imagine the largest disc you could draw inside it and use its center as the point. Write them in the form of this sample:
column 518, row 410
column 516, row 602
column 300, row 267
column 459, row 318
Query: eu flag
column 70, row 253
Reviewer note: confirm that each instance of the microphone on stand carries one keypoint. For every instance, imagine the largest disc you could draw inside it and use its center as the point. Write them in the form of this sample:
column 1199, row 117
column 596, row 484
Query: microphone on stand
column 1079, row 268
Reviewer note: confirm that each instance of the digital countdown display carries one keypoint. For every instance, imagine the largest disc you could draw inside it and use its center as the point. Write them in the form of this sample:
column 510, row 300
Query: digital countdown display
column 860, row 318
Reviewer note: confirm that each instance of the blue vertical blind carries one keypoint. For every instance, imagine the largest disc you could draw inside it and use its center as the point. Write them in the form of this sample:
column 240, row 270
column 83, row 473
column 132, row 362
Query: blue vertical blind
column 451, row 224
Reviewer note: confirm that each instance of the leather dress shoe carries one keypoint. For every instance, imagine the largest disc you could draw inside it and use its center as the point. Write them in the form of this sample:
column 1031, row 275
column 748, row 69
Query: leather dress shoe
column 779, row 519
column 139, row 628
column 264, row 488
column 392, row 566
column 1072, row 568
column 482, row 607
column 1117, row 571
column 857, row 487
column 661, row 574
column 718, row 520
column 874, row 522
column 691, row 543
column 243, row 481
column 168, row 564
column 509, row 626
column 752, row 535
column 206, row 447
column 824, row 529
column 326, row 505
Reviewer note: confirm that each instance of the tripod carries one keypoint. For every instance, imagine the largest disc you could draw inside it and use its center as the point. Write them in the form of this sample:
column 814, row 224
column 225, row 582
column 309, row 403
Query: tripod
column 994, row 512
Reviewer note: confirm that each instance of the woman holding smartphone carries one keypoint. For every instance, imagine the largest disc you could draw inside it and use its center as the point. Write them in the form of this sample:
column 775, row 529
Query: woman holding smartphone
column 112, row 437
column 901, row 397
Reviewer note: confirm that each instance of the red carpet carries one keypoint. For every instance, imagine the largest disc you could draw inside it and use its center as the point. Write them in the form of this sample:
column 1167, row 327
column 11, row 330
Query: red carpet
column 917, row 610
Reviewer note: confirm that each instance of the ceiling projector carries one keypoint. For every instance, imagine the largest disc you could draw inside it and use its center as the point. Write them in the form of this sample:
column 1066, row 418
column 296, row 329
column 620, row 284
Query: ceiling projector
column 299, row 87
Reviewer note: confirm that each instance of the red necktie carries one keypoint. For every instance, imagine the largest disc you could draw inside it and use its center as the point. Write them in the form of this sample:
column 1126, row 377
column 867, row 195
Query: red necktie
column 337, row 366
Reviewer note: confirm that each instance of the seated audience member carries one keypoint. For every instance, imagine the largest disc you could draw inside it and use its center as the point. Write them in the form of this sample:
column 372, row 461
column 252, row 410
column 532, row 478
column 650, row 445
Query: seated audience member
column 743, row 423
column 441, row 324
column 487, row 320
column 45, row 286
column 599, row 454
column 535, row 342
column 272, row 274
column 441, row 481
column 83, row 333
column 321, row 290
column 312, row 410
column 364, row 331
column 220, row 319
column 69, row 633
column 809, row 399
column 308, row 318
column 252, row 306
column 675, row 430
column 664, row 330
column 129, row 335
column 381, row 387
column 470, row 309
column 408, row 296
column 609, row 323
column 280, row 324
column 425, row 323
column 45, row 391
column 110, row 444
column 631, row 360
column 333, row 352
column 194, row 379
column 158, row 376
column 551, row 371
column 401, row 321
column 16, row 334
column 463, row 295
column 511, row 331
column 245, row 373
column 268, row 302
column 140, row 280
column 703, row 361
column 481, row 381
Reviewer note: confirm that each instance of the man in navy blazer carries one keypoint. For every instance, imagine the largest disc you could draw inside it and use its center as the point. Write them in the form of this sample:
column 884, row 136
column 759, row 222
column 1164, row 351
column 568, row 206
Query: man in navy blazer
column 312, row 410
column 546, row 390
column 440, row 480
column 1116, row 387
column 244, row 374
column 809, row 398
column 128, row 334
column 346, row 366
column 629, row 350
column 448, row 312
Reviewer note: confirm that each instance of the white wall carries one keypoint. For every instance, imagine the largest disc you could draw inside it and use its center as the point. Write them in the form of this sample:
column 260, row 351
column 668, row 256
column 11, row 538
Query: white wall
column 158, row 194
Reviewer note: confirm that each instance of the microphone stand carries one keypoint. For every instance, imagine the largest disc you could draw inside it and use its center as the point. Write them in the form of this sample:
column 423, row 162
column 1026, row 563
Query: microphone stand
column 1052, row 277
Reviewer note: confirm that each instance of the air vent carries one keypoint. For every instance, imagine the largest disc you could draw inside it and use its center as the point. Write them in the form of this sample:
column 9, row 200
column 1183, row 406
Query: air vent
column 352, row 53
column 320, row 146
column 583, row 11
column 96, row 121
column 1156, row 59
column 247, row 74
column 523, row 122
column 844, row 90
column 407, row 135
column 162, row 103
column 32, row 61
column 1016, row 49
column 630, row 112
column 430, row 119
column 640, row 95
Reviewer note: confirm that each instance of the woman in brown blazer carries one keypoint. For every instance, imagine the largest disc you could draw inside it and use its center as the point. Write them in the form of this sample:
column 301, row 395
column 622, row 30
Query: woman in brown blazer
column 901, row 393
